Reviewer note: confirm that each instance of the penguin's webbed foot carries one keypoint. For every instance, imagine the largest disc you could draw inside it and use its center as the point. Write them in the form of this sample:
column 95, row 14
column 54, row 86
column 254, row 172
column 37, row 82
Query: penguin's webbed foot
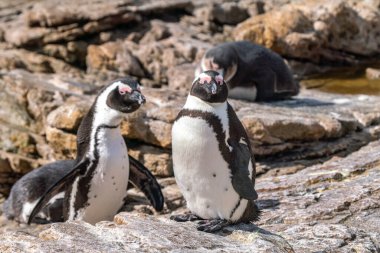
column 211, row 226
column 185, row 217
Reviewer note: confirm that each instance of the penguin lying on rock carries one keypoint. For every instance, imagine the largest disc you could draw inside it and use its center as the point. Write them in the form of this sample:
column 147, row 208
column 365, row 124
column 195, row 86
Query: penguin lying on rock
column 252, row 72
column 94, row 186
column 213, row 162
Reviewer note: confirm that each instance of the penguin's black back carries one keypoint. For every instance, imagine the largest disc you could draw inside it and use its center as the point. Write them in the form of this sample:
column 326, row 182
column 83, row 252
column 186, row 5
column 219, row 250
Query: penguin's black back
column 257, row 65
column 257, row 57
column 33, row 185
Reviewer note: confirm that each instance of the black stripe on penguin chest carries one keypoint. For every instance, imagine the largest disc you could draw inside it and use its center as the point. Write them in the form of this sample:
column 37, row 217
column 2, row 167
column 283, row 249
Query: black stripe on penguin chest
column 216, row 124
column 84, row 183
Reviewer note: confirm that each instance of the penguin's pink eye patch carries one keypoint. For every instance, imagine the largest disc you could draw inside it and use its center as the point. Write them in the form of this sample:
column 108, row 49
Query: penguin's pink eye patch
column 219, row 79
column 204, row 78
column 124, row 89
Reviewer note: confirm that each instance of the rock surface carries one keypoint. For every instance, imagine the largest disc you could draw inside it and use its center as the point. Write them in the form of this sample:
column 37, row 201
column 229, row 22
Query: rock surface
column 314, row 125
column 137, row 233
column 321, row 32
column 332, row 207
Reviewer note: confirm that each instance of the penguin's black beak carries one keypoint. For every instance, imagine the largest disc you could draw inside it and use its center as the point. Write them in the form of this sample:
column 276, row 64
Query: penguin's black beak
column 137, row 97
column 212, row 87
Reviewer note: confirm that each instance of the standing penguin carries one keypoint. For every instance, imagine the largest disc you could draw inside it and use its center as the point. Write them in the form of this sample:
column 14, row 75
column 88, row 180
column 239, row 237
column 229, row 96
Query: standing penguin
column 213, row 162
column 251, row 71
column 94, row 186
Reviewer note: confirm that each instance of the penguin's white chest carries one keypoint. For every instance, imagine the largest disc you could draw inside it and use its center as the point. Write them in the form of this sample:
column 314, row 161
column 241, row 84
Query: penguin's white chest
column 108, row 187
column 201, row 172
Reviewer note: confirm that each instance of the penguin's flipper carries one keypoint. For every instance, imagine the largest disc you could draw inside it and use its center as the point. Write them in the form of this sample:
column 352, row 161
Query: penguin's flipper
column 241, row 155
column 241, row 180
column 58, row 187
column 143, row 179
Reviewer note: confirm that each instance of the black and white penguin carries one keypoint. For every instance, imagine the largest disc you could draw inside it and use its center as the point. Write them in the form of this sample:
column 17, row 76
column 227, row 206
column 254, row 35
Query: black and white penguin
column 94, row 186
column 213, row 163
column 252, row 72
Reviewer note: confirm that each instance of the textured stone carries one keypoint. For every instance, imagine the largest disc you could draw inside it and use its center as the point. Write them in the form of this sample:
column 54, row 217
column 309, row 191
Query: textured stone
column 67, row 117
column 113, row 56
column 328, row 206
column 64, row 144
column 158, row 161
column 314, row 126
column 181, row 77
column 323, row 32
column 34, row 62
column 158, row 57
column 229, row 13
column 158, row 30
column 372, row 74
column 73, row 52
column 45, row 24
column 136, row 233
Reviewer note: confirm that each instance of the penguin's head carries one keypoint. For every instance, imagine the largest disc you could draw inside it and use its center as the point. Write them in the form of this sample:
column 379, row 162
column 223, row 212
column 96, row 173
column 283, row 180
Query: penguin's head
column 210, row 87
column 222, row 59
column 125, row 95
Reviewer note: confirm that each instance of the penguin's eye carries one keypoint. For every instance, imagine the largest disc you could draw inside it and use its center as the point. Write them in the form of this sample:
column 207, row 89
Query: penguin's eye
column 219, row 79
column 124, row 89
column 204, row 78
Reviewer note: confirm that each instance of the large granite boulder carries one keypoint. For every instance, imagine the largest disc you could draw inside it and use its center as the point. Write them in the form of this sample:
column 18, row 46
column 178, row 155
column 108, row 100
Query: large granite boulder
column 321, row 32
column 331, row 207
column 44, row 23
column 137, row 233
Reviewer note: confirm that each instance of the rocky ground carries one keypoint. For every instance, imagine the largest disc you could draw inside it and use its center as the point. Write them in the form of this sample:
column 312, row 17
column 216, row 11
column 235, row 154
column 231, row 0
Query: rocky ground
column 318, row 155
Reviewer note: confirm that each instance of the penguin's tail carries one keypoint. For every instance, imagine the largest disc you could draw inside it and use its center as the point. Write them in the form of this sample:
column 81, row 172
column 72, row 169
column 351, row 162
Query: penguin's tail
column 252, row 212
column 143, row 179
column 257, row 212
column 8, row 208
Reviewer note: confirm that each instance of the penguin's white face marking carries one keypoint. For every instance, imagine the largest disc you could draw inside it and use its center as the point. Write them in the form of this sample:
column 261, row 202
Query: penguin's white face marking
column 230, row 73
column 210, row 87
column 221, row 59
column 209, row 64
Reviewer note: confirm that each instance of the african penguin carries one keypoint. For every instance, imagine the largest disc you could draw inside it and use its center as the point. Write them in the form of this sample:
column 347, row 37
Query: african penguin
column 212, row 159
column 94, row 186
column 252, row 72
